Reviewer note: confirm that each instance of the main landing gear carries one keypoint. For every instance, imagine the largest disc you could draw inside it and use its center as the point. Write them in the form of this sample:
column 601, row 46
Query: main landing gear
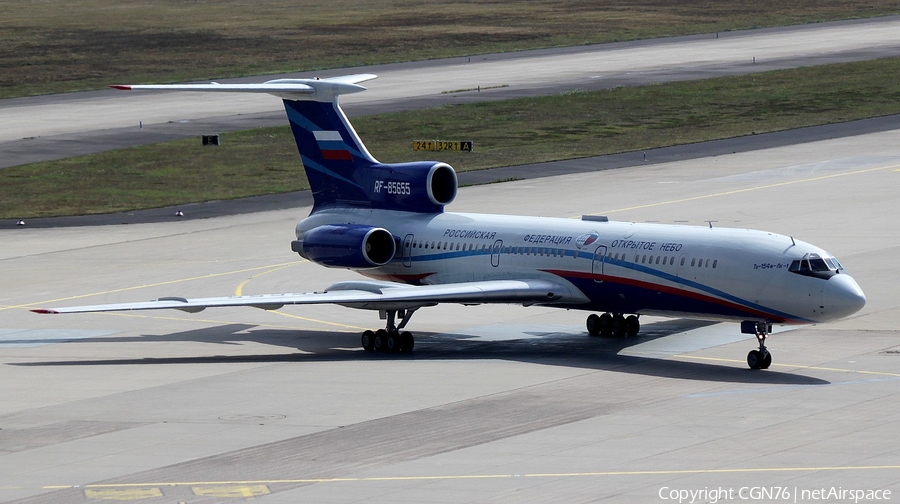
column 762, row 358
column 613, row 325
column 391, row 338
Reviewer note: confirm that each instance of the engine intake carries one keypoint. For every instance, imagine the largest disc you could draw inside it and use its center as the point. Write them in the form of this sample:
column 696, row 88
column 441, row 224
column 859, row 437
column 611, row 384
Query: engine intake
column 421, row 186
column 353, row 246
column 442, row 184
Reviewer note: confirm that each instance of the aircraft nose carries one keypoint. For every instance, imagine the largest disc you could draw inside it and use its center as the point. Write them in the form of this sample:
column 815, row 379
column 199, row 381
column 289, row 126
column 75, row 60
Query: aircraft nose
column 844, row 296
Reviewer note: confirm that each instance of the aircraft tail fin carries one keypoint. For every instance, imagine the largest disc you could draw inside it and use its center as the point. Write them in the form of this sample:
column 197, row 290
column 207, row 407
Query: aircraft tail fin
column 340, row 169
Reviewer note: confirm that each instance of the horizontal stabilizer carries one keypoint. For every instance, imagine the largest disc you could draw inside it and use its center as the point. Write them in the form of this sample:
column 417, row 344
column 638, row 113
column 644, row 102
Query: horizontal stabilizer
column 290, row 89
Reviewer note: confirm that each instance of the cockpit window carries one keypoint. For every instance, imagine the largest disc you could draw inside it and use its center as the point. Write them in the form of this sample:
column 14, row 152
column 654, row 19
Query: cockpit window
column 816, row 266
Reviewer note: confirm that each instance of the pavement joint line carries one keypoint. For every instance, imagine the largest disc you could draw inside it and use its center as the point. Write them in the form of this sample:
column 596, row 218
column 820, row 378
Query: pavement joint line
column 660, row 472
column 136, row 287
column 795, row 366
column 745, row 190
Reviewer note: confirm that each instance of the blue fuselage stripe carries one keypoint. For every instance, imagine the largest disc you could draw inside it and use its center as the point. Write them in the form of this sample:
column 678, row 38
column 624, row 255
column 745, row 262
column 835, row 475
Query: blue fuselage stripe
column 587, row 256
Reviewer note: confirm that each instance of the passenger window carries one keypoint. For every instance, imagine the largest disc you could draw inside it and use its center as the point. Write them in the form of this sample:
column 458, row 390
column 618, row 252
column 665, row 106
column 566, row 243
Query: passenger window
column 716, row 261
column 657, row 259
column 682, row 260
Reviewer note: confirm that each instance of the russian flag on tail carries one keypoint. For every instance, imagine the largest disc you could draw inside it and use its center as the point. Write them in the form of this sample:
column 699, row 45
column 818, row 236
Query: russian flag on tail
column 332, row 146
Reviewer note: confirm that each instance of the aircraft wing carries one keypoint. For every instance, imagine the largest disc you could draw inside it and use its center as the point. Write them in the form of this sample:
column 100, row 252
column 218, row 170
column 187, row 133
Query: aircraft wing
column 370, row 295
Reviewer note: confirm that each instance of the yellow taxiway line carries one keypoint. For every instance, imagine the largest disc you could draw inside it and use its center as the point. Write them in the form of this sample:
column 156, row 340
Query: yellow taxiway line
column 448, row 477
column 748, row 189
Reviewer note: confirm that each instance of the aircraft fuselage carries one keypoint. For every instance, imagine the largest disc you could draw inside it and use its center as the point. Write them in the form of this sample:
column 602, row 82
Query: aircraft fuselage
column 620, row 267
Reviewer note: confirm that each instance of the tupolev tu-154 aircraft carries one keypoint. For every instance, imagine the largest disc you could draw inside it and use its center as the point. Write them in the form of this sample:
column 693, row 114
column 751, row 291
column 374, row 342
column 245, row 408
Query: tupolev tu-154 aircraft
column 387, row 222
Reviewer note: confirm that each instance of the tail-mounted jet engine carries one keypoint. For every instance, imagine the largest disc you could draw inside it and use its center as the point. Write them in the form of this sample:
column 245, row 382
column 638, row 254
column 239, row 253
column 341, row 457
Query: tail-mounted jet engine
column 421, row 186
column 353, row 246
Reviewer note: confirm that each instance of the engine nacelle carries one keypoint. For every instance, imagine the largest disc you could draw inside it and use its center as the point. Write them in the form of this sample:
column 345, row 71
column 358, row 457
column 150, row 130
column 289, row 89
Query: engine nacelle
column 354, row 246
column 423, row 186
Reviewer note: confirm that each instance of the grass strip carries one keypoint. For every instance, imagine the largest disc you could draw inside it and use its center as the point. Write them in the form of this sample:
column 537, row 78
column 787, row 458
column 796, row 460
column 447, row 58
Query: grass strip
column 521, row 131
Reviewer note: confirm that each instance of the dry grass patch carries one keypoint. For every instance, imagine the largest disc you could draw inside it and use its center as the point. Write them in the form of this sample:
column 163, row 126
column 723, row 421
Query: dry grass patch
column 570, row 125
column 59, row 45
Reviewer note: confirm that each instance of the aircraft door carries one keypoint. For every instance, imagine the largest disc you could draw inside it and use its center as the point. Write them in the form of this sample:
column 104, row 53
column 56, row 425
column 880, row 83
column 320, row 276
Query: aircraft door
column 598, row 262
column 683, row 266
column 407, row 250
column 495, row 253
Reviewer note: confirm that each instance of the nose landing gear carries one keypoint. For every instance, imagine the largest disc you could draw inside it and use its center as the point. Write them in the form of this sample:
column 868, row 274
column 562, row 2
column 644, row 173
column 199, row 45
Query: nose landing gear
column 762, row 358
column 391, row 338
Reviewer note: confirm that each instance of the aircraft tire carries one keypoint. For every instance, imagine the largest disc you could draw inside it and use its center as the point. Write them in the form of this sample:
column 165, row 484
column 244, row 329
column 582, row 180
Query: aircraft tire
column 593, row 324
column 766, row 361
column 632, row 325
column 407, row 342
column 367, row 340
column 754, row 359
column 392, row 343
column 619, row 327
column 381, row 340
column 606, row 325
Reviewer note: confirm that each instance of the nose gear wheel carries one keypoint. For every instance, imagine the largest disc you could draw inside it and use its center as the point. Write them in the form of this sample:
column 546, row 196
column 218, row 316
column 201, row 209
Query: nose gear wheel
column 762, row 358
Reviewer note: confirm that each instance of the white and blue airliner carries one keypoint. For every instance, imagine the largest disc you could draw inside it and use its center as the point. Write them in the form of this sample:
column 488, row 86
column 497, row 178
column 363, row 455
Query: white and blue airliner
column 387, row 222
